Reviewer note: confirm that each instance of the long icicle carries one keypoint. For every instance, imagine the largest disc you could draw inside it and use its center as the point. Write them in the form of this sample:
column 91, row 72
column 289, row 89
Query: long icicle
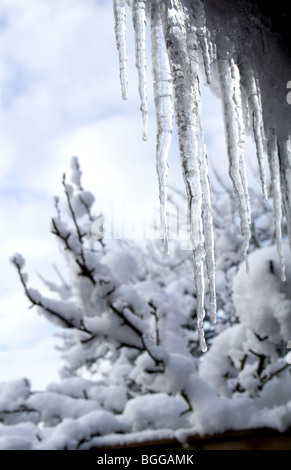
column 285, row 168
column 237, row 99
column 233, row 149
column 163, row 91
column 277, row 196
column 120, row 36
column 196, row 13
column 192, row 44
column 205, row 53
column 186, row 109
column 139, row 24
column 258, row 127
column 207, row 222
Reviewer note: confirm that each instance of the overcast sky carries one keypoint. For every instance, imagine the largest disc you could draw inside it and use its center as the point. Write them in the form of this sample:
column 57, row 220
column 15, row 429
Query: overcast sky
column 60, row 96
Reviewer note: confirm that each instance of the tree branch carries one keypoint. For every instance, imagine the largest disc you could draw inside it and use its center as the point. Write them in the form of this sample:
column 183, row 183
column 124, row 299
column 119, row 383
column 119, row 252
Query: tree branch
column 154, row 313
column 72, row 212
column 67, row 323
column 137, row 331
column 269, row 377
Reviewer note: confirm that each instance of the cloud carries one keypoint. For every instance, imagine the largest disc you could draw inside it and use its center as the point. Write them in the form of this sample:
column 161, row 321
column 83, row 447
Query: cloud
column 128, row 172
column 60, row 96
column 56, row 77
column 40, row 363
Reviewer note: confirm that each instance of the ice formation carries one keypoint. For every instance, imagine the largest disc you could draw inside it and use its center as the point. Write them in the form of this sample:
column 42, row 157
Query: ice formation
column 241, row 56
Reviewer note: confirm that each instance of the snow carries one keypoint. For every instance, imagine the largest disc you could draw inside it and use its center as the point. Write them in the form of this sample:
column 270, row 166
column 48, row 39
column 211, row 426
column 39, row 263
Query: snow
column 216, row 365
column 132, row 368
column 159, row 411
column 272, row 307
column 13, row 394
column 19, row 437
column 71, row 433
column 123, row 265
column 76, row 173
column 242, row 382
column 244, row 363
column 54, row 407
column 18, row 260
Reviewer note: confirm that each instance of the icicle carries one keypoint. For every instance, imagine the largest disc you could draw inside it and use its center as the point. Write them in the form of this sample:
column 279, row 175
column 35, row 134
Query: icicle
column 202, row 152
column 120, row 35
column 185, row 105
column 202, row 35
column 247, row 111
column 205, row 53
column 207, row 222
column 199, row 256
column 185, row 31
column 241, row 134
column 258, row 128
column 139, row 24
column 285, row 167
column 234, row 148
column 277, row 198
column 164, row 110
column 186, row 112
column 212, row 51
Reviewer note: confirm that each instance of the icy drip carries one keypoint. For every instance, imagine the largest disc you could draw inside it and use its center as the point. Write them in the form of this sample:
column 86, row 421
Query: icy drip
column 277, row 198
column 212, row 49
column 207, row 222
column 164, row 110
column 285, row 160
column 139, row 24
column 233, row 124
column 241, row 134
column 198, row 259
column 120, row 35
column 192, row 44
column 257, row 124
column 186, row 100
column 185, row 104
column 205, row 48
column 202, row 33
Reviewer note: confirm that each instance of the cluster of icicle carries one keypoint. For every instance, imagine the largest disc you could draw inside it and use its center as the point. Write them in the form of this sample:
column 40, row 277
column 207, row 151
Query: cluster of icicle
column 179, row 37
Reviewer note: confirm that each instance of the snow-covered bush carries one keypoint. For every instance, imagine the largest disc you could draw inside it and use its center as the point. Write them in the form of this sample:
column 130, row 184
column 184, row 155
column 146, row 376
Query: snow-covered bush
column 130, row 342
column 249, row 357
column 128, row 330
